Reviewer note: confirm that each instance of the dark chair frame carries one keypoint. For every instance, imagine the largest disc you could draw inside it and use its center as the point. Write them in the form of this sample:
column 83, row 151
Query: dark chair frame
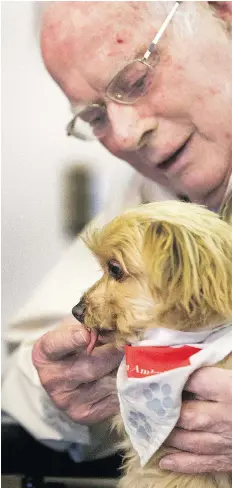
column 23, row 456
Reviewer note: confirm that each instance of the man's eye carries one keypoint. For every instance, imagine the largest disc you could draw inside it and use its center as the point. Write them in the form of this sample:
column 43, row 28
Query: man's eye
column 115, row 270
column 95, row 116
column 132, row 84
column 138, row 84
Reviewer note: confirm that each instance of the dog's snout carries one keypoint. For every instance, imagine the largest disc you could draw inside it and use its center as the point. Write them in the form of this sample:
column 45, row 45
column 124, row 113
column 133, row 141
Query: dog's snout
column 79, row 311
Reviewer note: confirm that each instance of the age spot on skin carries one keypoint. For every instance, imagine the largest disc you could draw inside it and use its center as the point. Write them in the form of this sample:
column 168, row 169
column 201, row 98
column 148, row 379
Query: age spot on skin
column 167, row 59
column 214, row 91
column 134, row 6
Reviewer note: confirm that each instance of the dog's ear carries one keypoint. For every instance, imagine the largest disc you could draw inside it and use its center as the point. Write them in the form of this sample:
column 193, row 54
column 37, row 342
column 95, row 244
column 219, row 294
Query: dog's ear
column 187, row 271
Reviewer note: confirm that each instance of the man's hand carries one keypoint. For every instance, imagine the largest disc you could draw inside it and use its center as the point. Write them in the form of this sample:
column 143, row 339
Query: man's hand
column 83, row 386
column 204, row 429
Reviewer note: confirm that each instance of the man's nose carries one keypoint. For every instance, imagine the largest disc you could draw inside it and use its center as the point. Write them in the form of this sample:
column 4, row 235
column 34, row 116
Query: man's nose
column 79, row 311
column 130, row 130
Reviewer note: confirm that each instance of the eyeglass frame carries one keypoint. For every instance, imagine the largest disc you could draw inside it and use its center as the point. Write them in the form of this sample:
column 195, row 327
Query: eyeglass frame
column 143, row 60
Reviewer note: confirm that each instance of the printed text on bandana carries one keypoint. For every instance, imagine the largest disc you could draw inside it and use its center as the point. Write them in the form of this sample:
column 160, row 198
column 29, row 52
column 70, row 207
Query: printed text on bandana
column 151, row 360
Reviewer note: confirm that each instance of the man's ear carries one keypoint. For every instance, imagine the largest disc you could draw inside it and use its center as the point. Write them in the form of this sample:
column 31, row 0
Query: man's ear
column 187, row 271
column 223, row 10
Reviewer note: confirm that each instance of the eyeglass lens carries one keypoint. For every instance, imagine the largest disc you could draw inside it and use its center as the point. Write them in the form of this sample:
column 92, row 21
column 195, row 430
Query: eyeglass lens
column 131, row 83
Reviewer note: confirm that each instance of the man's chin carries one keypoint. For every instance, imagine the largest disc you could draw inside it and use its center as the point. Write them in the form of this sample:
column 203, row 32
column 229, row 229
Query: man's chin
column 192, row 184
column 210, row 197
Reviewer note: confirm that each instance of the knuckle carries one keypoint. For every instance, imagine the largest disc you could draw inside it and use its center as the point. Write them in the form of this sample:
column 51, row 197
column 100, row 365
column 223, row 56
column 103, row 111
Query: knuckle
column 37, row 354
column 52, row 384
column 187, row 420
column 200, row 422
column 223, row 463
column 45, row 344
column 61, row 401
column 81, row 414
column 90, row 373
column 48, row 384
column 226, row 444
column 44, row 380
column 191, row 419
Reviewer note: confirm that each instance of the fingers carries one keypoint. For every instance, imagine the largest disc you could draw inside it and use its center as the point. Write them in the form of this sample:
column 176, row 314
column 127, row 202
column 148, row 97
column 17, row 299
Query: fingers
column 88, row 414
column 97, row 390
column 82, row 385
column 205, row 437
column 199, row 442
column 86, row 401
column 57, row 344
column 68, row 374
column 205, row 416
column 196, row 463
column 211, row 384
column 86, row 369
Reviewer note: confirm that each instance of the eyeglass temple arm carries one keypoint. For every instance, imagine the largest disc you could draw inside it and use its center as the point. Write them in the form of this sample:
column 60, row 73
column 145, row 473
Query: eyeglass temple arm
column 161, row 31
column 69, row 130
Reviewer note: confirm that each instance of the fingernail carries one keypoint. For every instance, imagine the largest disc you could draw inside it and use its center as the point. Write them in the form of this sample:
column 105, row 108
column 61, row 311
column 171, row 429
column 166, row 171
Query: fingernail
column 80, row 338
column 168, row 464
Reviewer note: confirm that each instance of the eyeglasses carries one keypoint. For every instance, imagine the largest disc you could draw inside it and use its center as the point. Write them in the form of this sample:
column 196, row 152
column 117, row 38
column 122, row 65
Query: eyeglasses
column 130, row 85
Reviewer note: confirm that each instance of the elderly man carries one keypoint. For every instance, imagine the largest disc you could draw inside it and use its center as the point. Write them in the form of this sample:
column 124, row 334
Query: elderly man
column 153, row 82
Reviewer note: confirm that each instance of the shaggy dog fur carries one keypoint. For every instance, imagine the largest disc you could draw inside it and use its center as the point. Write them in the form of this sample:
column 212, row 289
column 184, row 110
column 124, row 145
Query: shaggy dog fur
column 165, row 264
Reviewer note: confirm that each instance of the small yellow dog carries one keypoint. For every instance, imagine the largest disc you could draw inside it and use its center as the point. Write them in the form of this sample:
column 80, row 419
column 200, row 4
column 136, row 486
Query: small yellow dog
column 165, row 264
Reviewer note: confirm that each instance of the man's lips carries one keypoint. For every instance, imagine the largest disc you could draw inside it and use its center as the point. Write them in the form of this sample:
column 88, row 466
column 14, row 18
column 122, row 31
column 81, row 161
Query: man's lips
column 170, row 160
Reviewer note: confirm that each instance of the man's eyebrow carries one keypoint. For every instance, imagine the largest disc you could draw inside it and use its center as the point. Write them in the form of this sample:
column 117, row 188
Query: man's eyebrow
column 137, row 55
column 140, row 53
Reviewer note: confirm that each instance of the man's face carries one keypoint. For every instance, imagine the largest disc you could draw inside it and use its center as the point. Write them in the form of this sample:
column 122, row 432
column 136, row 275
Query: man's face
column 180, row 132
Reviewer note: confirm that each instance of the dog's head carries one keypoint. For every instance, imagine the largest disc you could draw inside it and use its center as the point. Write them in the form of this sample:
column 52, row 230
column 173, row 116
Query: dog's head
column 164, row 264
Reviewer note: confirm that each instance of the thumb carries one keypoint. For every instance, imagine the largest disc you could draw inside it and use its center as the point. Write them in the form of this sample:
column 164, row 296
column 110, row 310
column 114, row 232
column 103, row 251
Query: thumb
column 57, row 344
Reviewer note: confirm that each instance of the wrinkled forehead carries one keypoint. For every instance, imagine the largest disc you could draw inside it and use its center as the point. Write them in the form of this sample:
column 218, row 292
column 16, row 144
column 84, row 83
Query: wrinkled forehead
column 95, row 40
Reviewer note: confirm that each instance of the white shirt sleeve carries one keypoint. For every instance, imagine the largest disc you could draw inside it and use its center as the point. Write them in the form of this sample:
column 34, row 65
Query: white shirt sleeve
column 23, row 397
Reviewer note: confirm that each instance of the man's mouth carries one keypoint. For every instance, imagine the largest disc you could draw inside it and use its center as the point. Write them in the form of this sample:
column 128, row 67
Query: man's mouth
column 175, row 157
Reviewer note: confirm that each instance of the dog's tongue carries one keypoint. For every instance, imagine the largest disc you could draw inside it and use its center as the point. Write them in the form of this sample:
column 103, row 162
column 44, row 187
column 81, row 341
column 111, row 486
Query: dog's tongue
column 93, row 340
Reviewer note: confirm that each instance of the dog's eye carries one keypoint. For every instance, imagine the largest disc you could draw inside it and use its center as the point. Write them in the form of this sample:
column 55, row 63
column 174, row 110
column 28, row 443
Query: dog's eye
column 115, row 269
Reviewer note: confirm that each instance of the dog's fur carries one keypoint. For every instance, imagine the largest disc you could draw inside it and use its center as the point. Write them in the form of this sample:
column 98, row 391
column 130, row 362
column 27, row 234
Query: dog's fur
column 173, row 269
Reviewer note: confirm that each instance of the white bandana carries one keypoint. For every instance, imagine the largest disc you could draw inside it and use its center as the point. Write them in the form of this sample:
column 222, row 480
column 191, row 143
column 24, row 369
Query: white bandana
column 151, row 379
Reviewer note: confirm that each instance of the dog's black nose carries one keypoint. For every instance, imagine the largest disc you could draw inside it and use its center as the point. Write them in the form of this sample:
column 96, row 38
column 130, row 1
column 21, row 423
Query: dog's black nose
column 79, row 311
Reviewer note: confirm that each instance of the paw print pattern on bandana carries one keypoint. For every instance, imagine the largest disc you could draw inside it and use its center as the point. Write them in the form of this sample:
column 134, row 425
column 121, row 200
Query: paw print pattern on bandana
column 141, row 425
column 158, row 398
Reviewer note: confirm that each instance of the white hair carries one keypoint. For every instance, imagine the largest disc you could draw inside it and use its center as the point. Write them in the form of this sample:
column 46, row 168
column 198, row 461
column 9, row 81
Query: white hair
column 184, row 20
column 187, row 17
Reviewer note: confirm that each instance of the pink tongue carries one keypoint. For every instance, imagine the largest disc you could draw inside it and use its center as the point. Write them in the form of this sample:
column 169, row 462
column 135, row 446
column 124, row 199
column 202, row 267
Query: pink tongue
column 92, row 342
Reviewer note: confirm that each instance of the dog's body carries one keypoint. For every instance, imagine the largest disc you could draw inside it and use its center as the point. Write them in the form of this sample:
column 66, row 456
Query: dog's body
column 165, row 264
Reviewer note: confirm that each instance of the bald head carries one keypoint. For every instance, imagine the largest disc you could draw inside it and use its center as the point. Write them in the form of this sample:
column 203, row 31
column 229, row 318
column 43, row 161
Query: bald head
column 73, row 32
column 77, row 29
